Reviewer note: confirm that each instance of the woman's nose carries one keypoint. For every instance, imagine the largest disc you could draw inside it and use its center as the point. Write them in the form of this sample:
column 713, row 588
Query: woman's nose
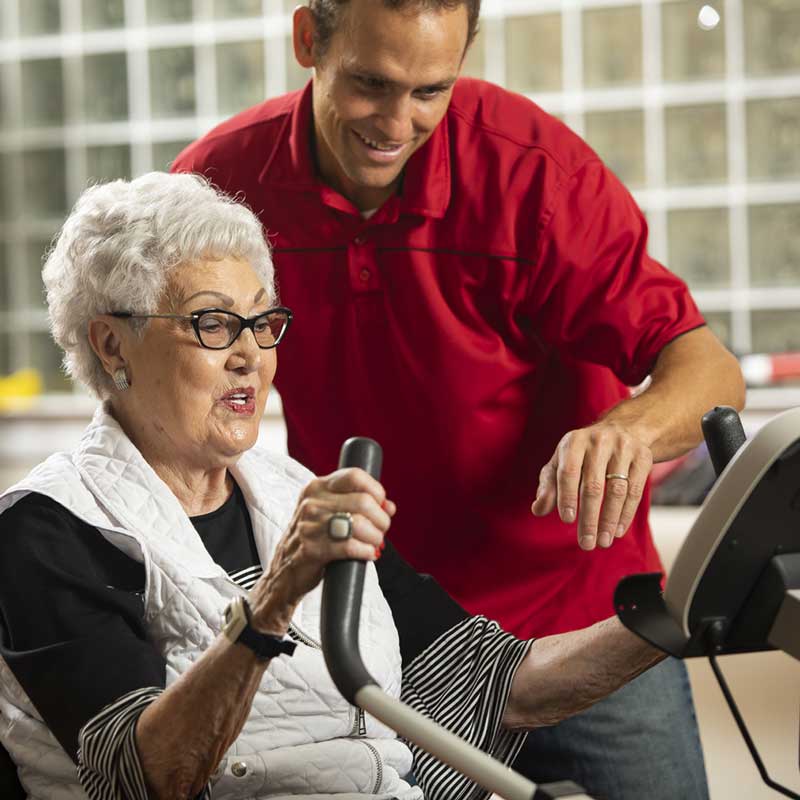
column 245, row 354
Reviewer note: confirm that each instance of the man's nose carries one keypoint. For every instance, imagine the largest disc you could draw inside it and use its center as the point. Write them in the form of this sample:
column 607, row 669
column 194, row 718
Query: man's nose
column 396, row 119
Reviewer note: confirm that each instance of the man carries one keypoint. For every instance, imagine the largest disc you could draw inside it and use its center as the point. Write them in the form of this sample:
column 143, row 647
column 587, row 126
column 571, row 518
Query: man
column 472, row 289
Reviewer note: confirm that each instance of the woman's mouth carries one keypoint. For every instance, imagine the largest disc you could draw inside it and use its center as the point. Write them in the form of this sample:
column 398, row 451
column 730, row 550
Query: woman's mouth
column 240, row 401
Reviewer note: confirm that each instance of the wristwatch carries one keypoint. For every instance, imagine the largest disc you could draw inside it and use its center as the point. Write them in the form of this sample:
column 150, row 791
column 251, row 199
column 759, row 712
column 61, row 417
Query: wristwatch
column 237, row 628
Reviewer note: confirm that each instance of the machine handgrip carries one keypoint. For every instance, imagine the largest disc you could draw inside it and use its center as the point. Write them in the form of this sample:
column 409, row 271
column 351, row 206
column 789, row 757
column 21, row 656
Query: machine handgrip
column 724, row 435
column 342, row 590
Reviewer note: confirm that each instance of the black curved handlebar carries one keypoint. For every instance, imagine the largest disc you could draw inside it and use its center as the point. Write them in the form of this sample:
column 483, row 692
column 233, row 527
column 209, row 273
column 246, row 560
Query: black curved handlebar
column 342, row 590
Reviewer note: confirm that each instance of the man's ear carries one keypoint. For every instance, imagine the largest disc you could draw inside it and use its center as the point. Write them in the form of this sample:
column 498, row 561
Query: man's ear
column 105, row 339
column 303, row 36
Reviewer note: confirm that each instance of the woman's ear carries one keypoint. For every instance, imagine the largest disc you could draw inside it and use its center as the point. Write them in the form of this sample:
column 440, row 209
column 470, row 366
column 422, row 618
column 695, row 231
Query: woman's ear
column 106, row 341
column 303, row 36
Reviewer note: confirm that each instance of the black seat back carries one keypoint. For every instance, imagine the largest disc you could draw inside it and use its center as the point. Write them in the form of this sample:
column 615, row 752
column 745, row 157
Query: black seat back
column 10, row 787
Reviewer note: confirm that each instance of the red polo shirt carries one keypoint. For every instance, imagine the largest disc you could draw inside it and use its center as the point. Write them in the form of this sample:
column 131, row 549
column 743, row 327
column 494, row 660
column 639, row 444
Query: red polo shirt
column 503, row 298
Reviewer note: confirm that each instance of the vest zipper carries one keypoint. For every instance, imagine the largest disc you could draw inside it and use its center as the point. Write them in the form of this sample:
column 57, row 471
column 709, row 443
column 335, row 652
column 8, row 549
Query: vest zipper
column 359, row 721
column 378, row 766
column 296, row 633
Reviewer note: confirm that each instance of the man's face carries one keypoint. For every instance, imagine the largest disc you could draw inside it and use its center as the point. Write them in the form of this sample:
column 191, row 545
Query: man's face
column 380, row 89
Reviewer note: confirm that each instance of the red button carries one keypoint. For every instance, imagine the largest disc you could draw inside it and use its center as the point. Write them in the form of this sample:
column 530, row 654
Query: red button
column 365, row 275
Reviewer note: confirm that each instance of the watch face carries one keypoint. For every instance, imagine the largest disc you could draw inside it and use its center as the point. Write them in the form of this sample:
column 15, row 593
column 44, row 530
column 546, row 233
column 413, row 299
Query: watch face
column 235, row 619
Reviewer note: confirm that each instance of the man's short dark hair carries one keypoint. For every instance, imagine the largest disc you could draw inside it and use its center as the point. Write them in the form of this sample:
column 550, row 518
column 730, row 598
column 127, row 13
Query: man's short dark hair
column 326, row 15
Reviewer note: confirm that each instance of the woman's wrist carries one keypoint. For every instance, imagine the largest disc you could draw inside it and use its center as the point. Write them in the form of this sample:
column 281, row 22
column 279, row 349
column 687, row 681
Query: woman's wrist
column 270, row 613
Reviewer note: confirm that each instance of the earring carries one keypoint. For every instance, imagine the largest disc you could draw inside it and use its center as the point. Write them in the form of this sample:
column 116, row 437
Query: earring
column 120, row 378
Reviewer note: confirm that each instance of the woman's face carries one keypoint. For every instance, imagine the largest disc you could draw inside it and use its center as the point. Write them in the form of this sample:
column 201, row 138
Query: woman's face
column 181, row 402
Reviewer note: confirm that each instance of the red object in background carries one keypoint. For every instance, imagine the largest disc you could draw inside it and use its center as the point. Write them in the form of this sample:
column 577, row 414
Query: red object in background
column 763, row 369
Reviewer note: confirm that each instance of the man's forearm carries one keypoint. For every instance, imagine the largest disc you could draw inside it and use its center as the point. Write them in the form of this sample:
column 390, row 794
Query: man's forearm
column 693, row 374
column 566, row 673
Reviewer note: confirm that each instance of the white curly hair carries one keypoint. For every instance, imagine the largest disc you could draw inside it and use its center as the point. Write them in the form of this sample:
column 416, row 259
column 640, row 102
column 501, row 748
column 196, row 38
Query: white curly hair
column 117, row 247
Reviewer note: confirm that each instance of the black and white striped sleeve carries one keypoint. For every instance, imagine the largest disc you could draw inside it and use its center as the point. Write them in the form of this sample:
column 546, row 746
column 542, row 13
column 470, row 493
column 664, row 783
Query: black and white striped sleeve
column 462, row 681
column 108, row 760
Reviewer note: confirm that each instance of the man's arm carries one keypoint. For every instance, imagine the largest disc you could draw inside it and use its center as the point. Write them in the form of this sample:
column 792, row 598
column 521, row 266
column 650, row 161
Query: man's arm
column 693, row 374
column 566, row 673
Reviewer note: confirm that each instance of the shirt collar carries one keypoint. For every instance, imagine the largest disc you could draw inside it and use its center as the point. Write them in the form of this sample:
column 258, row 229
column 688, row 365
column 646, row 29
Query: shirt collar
column 291, row 165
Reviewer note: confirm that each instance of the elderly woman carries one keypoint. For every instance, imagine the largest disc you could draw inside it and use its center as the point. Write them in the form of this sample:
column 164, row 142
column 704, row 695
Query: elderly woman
column 160, row 585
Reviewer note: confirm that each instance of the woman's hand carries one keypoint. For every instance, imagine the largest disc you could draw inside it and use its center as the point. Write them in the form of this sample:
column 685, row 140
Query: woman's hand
column 306, row 549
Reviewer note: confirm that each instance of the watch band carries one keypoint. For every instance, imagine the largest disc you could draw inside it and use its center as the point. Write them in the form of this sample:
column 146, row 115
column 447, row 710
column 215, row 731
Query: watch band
column 265, row 645
column 239, row 630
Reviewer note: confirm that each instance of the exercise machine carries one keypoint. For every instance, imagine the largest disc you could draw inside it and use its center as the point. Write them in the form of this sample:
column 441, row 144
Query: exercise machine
column 735, row 584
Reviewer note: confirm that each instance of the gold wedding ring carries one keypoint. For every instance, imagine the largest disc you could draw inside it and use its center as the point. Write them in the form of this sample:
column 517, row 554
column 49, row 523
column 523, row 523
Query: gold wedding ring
column 612, row 475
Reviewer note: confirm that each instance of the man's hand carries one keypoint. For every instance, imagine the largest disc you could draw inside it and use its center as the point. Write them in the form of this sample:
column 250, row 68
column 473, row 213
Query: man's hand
column 582, row 479
column 692, row 374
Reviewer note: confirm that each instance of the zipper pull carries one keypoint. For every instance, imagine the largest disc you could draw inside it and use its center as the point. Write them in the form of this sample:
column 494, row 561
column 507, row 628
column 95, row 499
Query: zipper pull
column 362, row 723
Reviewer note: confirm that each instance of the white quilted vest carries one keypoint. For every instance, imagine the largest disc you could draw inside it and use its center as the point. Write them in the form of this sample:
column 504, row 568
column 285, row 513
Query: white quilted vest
column 301, row 737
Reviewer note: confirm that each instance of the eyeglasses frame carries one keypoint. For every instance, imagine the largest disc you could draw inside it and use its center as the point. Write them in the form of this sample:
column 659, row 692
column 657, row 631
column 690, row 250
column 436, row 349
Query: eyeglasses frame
column 194, row 318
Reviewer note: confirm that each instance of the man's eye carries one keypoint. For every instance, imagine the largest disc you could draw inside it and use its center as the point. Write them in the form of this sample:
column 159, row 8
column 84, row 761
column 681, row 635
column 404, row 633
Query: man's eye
column 372, row 84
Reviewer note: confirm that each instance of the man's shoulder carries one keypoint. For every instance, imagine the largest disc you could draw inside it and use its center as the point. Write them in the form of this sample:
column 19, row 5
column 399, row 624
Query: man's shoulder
column 231, row 142
column 485, row 115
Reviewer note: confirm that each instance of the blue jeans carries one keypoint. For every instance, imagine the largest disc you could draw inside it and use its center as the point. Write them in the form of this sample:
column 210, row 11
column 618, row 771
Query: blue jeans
column 640, row 742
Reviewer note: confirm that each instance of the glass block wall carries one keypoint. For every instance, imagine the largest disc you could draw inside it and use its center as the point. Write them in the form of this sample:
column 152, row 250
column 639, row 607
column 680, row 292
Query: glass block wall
column 702, row 125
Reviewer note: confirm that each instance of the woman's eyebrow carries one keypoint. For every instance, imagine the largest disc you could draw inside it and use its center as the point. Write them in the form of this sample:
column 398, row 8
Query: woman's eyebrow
column 224, row 298
column 259, row 294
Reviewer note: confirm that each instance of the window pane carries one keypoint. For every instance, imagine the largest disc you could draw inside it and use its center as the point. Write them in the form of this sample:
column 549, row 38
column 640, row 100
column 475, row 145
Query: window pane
column 42, row 92
column 475, row 61
column 689, row 51
column 775, row 245
column 237, row 8
column 5, row 188
column 164, row 153
column 533, row 53
column 771, row 34
column 44, row 182
column 169, row 10
column 618, row 138
column 775, row 331
column 296, row 76
column 101, row 14
column 39, row 16
column 773, row 138
column 612, row 46
column 46, row 357
column 240, row 75
column 698, row 246
column 696, row 144
column 105, row 77
column 107, row 162
column 720, row 324
column 7, row 113
column 5, row 279
column 33, row 285
column 5, row 354
column 172, row 82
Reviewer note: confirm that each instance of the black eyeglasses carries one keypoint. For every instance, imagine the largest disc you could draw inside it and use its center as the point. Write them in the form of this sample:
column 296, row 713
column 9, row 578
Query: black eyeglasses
column 217, row 329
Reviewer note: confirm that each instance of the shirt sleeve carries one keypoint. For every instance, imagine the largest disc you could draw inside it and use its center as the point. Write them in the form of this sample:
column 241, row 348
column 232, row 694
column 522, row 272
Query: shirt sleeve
column 457, row 671
column 595, row 292
column 71, row 605
column 462, row 681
